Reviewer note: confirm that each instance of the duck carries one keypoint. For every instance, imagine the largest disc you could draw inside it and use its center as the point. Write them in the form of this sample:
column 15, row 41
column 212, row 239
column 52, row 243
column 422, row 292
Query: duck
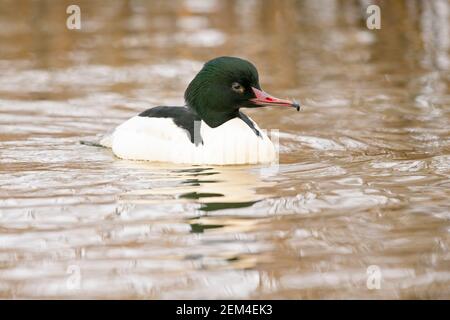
column 210, row 129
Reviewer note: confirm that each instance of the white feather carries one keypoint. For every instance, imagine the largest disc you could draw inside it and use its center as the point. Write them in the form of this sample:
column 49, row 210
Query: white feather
column 159, row 139
column 106, row 141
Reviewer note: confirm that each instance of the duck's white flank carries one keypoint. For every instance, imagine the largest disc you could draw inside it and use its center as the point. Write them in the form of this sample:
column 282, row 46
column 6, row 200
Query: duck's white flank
column 159, row 139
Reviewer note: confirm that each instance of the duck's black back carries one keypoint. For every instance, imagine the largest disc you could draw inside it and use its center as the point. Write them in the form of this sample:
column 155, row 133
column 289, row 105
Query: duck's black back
column 183, row 117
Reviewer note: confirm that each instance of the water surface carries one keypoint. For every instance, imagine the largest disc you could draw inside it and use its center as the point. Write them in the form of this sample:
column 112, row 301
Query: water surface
column 364, row 173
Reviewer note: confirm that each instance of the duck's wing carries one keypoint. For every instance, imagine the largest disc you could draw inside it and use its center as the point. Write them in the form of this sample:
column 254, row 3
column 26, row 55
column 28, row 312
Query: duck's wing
column 157, row 134
column 183, row 117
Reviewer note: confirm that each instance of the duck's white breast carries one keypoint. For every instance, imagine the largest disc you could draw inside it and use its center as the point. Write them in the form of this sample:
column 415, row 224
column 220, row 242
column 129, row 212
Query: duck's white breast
column 160, row 139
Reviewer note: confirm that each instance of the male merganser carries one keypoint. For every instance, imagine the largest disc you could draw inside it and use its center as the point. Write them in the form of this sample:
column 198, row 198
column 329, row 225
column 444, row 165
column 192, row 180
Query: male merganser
column 210, row 129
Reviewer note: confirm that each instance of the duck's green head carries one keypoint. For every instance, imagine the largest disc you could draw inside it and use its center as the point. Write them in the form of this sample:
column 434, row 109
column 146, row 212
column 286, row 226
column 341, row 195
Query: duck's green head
column 223, row 86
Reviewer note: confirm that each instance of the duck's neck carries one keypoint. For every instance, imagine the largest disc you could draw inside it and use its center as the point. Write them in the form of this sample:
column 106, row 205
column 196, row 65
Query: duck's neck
column 215, row 118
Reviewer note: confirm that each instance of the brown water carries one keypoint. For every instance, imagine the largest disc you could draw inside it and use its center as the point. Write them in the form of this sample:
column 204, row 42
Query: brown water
column 364, row 174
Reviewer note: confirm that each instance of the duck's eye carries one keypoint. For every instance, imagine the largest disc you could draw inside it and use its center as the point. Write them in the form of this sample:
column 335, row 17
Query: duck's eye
column 237, row 87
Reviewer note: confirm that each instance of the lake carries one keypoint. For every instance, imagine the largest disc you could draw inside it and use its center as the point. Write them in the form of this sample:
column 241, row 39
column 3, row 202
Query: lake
column 358, row 206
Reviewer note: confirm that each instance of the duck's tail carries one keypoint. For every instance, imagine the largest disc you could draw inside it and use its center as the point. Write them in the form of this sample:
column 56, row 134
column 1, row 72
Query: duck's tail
column 106, row 142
